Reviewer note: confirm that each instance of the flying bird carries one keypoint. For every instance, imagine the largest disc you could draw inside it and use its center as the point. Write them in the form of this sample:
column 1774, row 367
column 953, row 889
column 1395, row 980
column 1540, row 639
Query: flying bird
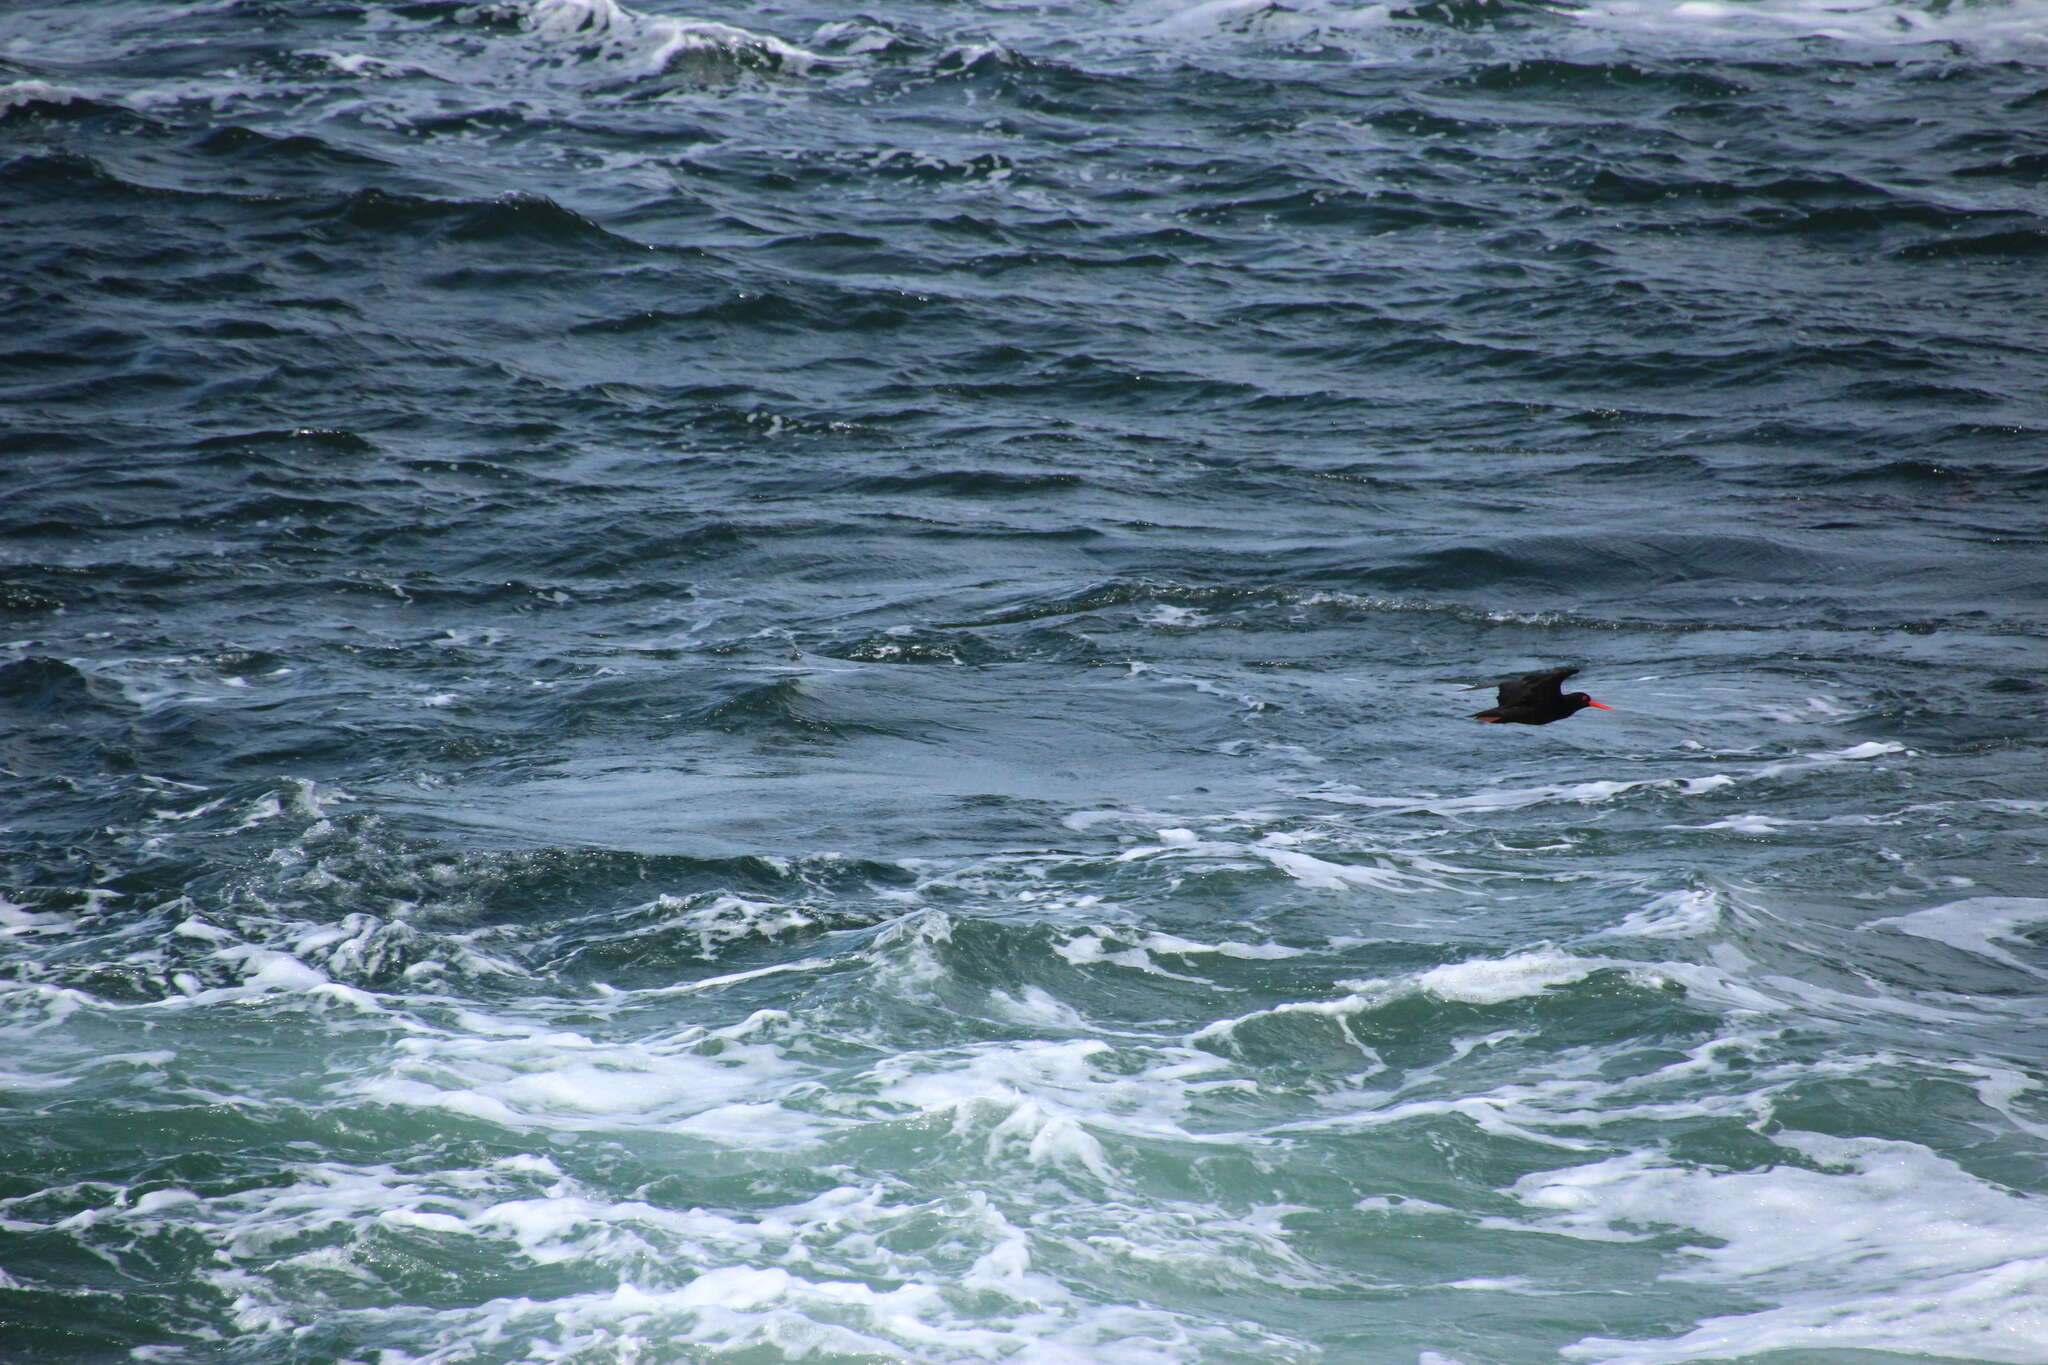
column 1533, row 699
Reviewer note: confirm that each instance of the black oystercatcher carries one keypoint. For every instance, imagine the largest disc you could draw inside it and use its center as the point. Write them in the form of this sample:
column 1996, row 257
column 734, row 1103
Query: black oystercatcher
column 1533, row 699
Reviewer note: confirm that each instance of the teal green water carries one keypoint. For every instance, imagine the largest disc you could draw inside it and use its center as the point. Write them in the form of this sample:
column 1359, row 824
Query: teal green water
column 788, row 685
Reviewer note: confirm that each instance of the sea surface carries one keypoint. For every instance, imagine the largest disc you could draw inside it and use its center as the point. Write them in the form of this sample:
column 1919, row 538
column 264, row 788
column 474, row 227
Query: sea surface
column 784, row 682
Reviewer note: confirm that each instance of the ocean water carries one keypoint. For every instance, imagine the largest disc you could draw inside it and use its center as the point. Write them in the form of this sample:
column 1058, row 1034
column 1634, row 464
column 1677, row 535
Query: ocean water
column 784, row 683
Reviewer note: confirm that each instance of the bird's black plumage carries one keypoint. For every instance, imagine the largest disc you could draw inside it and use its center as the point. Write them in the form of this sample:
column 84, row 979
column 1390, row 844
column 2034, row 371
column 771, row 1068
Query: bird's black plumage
column 1535, row 699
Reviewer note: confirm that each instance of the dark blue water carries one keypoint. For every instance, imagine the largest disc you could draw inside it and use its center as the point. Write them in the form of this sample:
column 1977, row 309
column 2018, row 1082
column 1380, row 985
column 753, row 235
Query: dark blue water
column 784, row 685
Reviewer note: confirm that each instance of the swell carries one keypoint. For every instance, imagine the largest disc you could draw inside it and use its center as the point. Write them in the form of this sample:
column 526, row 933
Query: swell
column 1576, row 79
column 518, row 220
column 1518, row 585
column 514, row 221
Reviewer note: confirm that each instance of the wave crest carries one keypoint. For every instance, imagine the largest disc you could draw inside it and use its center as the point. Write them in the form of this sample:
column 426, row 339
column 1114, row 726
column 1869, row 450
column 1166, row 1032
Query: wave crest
column 654, row 45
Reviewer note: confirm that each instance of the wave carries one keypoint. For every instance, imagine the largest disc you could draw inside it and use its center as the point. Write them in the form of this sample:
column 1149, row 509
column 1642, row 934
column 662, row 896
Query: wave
column 608, row 33
column 2018, row 244
column 1573, row 78
column 46, row 687
column 312, row 444
column 1427, row 583
column 297, row 151
column 805, row 306
column 2004, row 28
column 36, row 99
column 514, row 220
column 910, row 645
column 2029, row 167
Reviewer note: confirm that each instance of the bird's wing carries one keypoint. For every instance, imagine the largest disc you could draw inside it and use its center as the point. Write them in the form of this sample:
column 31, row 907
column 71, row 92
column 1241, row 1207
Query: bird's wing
column 1532, row 687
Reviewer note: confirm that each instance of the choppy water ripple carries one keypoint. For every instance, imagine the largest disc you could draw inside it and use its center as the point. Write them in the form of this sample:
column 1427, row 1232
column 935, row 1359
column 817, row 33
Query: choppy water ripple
column 785, row 685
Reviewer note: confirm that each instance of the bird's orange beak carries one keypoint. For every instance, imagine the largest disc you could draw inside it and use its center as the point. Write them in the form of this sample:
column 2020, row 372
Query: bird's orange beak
column 1601, row 704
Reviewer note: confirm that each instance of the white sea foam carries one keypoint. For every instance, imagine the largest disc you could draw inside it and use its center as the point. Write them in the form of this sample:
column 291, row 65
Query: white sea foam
column 1999, row 1089
column 1262, row 20
column 1200, row 1250
column 1605, row 791
column 1731, row 981
column 17, row 93
column 1392, row 870
column 1875, row 748
column 722, row 1085
column 1494, row 980
column 1564, row 1100
column 1175, row 945
column 1590, row 793
column 650, row 44
column 854, row 38
column 1978, row 925
column 1140, row 951
column 1088, row 949
column 1139, row 669
column 1852, row 1243
column 1675, row 914
column 1479, row 981
column 1744, row 824
column 1036, row 1006
column 1081, row 821
column 17, row 920
column 363, row 65
column 2012, row 29
column 1324, row 875
column 717, row 921
column 1049, row 1103
column 840, row 1270
column 268, row 969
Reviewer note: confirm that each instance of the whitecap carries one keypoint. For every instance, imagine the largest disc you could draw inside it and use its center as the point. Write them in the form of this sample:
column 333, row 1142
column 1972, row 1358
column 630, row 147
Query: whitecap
column 1493, row 981
column 1675, row 914
column 1478, row 981
column 16, row 94
column 651, row 44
